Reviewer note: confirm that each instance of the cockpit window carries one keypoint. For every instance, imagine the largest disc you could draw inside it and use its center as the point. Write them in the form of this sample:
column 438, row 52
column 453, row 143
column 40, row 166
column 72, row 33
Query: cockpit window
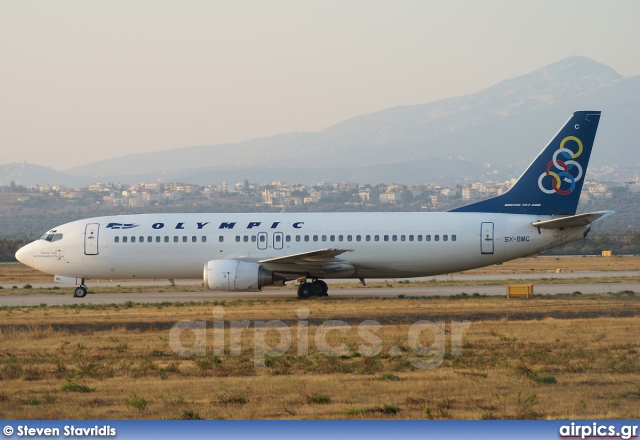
column 51, row 236
column 49, row 233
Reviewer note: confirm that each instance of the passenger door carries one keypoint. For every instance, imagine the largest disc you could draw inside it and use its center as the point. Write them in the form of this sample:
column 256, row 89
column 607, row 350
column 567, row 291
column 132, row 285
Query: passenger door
column 486, row 238
column 91, row 238
column 263, row 241
column 278, row 240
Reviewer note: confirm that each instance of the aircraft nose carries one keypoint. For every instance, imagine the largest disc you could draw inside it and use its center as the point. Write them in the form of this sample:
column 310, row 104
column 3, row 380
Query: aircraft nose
column 25, row 255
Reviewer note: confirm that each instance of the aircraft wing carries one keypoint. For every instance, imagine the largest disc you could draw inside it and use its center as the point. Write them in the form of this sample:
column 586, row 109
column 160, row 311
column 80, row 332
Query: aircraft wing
column 572, row 221
column 309, row 258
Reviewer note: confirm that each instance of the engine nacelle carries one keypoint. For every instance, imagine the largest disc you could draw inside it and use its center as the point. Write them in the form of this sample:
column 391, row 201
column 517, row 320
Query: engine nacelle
column 236, row 276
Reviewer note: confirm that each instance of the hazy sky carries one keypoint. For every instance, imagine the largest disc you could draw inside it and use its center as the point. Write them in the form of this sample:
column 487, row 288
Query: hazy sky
column 87, row 80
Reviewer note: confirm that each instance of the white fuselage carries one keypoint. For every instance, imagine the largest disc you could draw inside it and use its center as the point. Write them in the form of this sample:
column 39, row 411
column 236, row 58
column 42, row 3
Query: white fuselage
column 379, row 245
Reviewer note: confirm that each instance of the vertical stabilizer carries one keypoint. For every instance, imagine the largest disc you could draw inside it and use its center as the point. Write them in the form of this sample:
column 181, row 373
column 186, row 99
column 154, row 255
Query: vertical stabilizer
column 553, row 182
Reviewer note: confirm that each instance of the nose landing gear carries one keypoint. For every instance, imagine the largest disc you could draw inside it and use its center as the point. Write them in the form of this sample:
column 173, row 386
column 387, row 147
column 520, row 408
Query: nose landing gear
column 81, row 290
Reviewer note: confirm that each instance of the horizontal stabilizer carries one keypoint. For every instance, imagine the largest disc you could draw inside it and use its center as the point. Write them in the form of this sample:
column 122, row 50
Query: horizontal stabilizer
column 321, row 255
column 572, row 221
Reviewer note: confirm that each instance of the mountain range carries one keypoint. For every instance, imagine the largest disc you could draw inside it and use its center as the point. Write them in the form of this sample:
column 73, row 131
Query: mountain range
column 490, row 135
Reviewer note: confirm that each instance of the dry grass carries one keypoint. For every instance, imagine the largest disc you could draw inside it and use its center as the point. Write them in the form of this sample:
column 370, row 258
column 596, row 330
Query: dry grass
column 20, row 274
column 565, row 264
column 564, row 357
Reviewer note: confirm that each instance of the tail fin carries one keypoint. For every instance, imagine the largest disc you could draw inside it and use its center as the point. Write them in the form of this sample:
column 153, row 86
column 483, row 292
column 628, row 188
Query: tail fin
column 552, row 183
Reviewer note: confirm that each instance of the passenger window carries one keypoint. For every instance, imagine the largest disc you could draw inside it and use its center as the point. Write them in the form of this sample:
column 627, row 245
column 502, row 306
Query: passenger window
column 175, row 239
column 221, row 239
column 315, row 238
column 410, row 237
column 358, row 238
column 376, row 238
column 306, row 238
column 297, row 238
column 386, row 238
column 419, row 237
column 453, row 238
column 166, row 239
column 402, row 238
column 332, row 238
column 445, row 238
column 324, row 238
column 157, row 239
column 349, row 238
column 341, row 238
column 141, row 239
column 278, row 239
column 436, row 238
column 237, row 239
column 204, row 238
column 194, row 239
column 149, row 239
column 395, row 238
column 288, row 238
column 124, row 239
column 262, row 239
column 133, row 239
column 246, row 239
column 427, row 238
column 116, row 239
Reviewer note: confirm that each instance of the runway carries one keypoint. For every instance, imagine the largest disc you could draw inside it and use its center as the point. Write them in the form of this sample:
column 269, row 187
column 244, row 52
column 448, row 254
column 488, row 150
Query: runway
column 360, row 292
column 469, row 277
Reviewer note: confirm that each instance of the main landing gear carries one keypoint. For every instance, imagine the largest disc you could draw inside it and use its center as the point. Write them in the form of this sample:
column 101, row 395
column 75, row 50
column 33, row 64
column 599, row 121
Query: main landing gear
column 315, row 288
column 81, row 290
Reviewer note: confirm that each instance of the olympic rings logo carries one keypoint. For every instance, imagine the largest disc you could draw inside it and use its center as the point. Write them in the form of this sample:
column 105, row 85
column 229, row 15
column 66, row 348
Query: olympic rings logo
column 563, row 171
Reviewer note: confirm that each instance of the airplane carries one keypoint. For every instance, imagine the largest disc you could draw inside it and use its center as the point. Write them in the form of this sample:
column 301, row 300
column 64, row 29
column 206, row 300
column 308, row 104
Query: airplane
column 245, row 252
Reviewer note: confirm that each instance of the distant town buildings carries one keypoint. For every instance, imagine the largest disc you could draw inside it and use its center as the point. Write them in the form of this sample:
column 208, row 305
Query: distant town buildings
column 280, row 193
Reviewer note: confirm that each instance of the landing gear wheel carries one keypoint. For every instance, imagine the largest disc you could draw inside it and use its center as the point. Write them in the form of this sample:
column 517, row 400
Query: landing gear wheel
column 80, row 292
column 321, row 287
column 306, row 290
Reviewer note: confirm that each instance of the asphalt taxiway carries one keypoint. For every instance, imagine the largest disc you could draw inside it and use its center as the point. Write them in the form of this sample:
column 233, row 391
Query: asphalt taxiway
column 357, row 292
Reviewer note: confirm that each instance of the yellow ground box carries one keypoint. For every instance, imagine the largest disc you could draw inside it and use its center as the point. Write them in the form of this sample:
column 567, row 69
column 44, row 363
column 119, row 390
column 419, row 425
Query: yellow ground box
column 519, row 290
column 606, row 253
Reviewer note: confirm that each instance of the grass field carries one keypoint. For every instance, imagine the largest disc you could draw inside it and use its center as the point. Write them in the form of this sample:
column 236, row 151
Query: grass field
column 569, row 357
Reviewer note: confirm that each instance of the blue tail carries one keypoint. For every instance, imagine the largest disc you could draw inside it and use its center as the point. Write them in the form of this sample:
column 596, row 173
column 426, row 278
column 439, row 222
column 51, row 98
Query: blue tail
column 552, row 183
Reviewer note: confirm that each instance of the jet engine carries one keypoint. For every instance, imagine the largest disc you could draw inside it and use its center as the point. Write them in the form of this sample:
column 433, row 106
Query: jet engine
column 237, row 276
